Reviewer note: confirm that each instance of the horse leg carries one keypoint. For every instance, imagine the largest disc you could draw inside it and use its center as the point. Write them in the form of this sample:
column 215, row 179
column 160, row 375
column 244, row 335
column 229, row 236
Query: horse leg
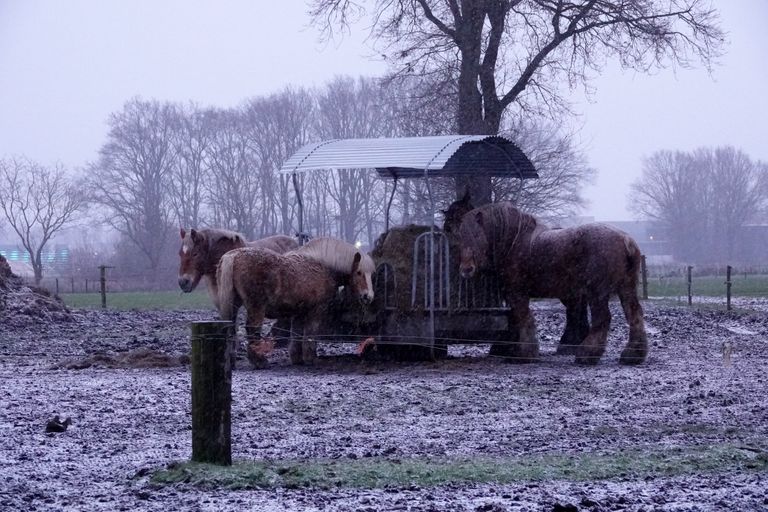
column 281, row 331
column 295, row 343
column 637, row 348
column 576, row 325
column 308, row 343
column 523, row 347
column 592, row 348
column 253, row 323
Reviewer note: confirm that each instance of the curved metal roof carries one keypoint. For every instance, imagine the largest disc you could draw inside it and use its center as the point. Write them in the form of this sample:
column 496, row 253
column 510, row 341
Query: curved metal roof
column 412, row 157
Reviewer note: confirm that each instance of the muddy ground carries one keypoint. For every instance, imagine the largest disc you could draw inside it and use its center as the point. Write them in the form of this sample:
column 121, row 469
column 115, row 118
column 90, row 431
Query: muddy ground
column 128, row 422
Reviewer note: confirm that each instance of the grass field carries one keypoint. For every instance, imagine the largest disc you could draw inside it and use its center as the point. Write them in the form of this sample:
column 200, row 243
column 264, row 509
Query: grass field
column 667, row 287
column 379, row 473
column 141, row 300
column 709, row 286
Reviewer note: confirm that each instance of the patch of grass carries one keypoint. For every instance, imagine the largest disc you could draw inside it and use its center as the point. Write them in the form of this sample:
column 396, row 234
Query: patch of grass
column 753, row 285
column 140, row 300
column 379, row 473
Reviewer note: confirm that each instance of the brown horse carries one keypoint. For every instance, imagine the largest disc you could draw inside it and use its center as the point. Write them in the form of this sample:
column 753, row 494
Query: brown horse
column 300, row 284
column 576, row 317
column 202, row 249
column 586, row 263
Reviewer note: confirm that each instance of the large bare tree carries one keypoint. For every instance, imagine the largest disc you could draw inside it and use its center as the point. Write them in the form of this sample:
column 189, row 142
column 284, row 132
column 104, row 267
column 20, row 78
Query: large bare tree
column 523, row 55
column 37, row 201
column 130, row 178
column 275, row 127
column 351, row 108
column 234, row 185
column 191, row 138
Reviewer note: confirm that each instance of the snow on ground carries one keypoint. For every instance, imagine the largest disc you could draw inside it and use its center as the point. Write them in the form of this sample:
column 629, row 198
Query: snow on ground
column 128, row 422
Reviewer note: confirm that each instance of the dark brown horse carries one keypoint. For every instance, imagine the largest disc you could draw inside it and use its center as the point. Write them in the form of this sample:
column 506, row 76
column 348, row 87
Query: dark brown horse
column 295, row 285
column 586, row 263
column 202, row 249
column 576, row 316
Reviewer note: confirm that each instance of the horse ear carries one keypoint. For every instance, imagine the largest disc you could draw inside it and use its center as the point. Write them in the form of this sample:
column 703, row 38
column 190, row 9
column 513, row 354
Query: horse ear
column 182, row 233
column 356, row 261
column 194, row 234
column 237, row 239
column 479, row 217
column 465, row 198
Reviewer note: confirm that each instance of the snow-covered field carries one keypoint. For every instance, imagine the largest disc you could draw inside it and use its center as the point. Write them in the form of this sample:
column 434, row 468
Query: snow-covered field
column 127, row 422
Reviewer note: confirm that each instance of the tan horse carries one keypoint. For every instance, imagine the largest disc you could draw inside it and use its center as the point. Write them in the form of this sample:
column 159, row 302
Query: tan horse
column 300, row 284
column 589, row 262
column 202, row 249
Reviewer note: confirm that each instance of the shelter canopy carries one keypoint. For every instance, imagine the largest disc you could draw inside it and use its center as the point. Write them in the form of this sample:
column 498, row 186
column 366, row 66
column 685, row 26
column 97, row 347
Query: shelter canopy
column 417, row 157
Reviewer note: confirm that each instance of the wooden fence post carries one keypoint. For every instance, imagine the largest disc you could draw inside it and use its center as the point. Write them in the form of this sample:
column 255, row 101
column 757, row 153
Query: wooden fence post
column 690, row 298
column 103, row 285
column 728, row 287
column 73, row 284
column 644, row 274
column 57, row 286
column 211, row 366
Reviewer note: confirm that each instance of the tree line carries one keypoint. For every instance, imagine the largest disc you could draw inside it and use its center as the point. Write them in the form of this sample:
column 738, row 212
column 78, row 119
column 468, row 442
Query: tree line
column 468, row 66
column 166, row 165
column 702, row 199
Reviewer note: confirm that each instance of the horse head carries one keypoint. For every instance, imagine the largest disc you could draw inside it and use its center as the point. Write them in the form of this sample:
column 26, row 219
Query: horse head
column 473, row 242
column 192, row 258
column 360, row 280
column 453, row 214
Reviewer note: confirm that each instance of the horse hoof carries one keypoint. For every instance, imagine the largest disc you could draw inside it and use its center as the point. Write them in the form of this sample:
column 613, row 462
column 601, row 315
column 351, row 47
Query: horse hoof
column 566, row 350
column 587, row 360
column 631, row 357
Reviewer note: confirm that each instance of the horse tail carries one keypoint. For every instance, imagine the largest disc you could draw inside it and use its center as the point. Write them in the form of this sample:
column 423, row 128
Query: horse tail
column 634, row 258
column 227, row 292
column 636, row 350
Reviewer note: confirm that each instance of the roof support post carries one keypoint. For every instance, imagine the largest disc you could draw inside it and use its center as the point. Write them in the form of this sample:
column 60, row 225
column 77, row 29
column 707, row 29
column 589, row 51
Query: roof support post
column 296, row 188
column 389, row 204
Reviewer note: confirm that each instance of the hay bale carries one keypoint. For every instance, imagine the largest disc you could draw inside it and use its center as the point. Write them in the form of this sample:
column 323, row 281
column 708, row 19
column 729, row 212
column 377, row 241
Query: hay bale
column 20, row 303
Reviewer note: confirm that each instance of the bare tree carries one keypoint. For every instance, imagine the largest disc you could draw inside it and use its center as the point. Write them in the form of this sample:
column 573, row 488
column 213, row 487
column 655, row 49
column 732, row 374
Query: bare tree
column 37, row 202
column 519, row 54
column 233, row 190
column 349, row 108
column 191, row 138
column 702, row 199
column 562, row 169
column 276, row 126
column 130, row 178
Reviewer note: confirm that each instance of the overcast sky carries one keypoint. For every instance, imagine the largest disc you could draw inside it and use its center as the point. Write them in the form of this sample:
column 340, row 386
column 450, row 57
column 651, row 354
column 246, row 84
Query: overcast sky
column 66, row 65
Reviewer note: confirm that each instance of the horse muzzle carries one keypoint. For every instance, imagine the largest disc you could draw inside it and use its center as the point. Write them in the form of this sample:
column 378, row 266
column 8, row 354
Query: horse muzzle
column 467, row 271
column 186, row 284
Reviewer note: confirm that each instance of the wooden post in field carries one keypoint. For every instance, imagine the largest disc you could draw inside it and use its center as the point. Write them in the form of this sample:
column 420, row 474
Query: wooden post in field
column 57, row 286
column 73, row 284
column 644, row 274
column 86, row 285
column 211, row 366
column 728, row 287
column 690, row 298
column 103, row 284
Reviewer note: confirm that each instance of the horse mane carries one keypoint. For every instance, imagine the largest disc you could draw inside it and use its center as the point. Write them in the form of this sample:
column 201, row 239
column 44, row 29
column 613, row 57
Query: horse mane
column 505, row 226
column 278, row 243
column 335, row 254
column 213, row 235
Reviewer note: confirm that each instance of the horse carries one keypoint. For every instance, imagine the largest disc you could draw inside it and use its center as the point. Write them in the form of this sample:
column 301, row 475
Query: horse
column 202, row 249
column 300, row 284
column 576, row 318
column 585, row 263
